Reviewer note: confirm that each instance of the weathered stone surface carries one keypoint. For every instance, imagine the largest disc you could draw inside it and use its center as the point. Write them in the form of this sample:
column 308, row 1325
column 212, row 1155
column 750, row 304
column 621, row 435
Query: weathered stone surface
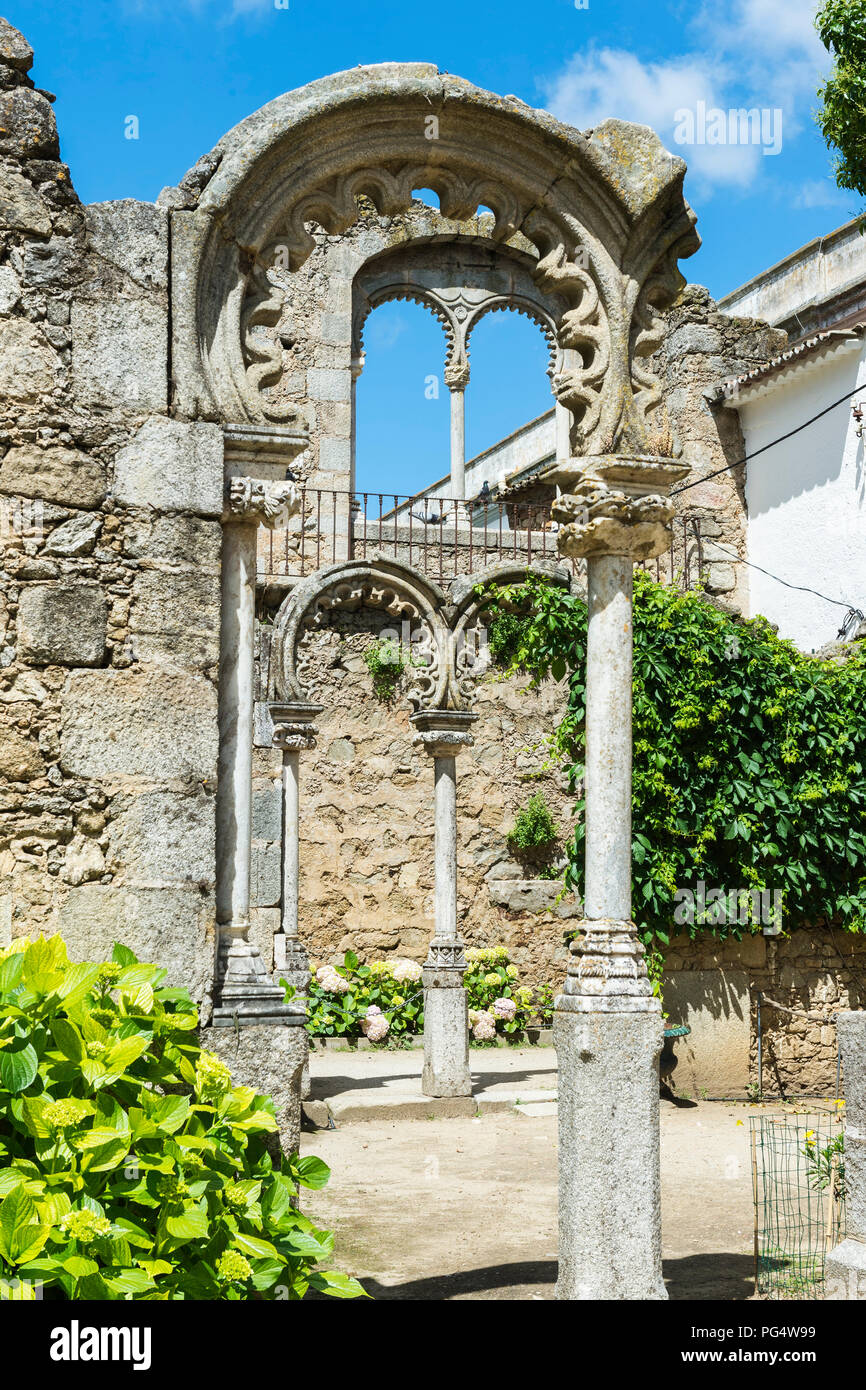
column 27, row 363
column 27, row 125
column 265, row 881
column 845, row 1272
column 119, row 352
column 62, row 623
column 176, row 617
column 267, row 813
column 609, row 1214
column 171, row 927
column 20, row 758
column 172, row 466
column 164, row 837
column 14, row 48
column 178, row 540
column 270, row 1059
column 83, row 860
column 446, row 1042
column 21, row 207
column 10, row 289
column 532, row 895
column 75, row 537
column 57, row 474
column 153, row 724
column 133, row 237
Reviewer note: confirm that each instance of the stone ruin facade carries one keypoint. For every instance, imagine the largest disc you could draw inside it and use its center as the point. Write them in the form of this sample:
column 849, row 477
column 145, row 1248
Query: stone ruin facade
column 163, row 367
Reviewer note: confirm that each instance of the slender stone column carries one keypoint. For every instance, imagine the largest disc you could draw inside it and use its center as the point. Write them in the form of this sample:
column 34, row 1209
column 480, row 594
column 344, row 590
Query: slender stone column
column 607, row 1025
column 457, row 379
column 845, row 1270
column 446, row 1020
column 244, row 987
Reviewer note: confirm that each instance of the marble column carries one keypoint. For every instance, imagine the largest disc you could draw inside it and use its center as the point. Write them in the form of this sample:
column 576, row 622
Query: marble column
column 245, row 991
column 457, row 379
column 607, row 1024
column 443, row 734
column 294, row 733
column 845, row 1269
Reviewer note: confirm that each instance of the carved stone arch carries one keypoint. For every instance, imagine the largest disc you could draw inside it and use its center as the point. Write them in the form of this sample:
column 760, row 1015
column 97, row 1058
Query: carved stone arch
column 389, row 294
column 380, row 582
column 528, row 309
column 587, row 202
column 469, row 600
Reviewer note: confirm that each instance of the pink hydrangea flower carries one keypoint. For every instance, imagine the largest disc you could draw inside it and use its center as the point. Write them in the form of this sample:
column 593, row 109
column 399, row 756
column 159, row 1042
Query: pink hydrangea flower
column 485, row 1027
column 505, row 1008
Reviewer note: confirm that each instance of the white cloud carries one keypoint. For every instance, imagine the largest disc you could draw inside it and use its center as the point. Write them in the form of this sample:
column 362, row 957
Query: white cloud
column 749, row 54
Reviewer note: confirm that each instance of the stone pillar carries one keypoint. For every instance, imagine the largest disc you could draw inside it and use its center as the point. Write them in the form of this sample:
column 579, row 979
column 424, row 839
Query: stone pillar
column 244, row 989
column 442, row 734
column 294, row 733
column 607, row 1025
column 457, row 379
column 845, row 1269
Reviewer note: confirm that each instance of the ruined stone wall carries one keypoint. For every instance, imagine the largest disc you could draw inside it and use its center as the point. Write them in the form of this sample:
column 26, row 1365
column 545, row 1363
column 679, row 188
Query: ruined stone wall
column 109, row 593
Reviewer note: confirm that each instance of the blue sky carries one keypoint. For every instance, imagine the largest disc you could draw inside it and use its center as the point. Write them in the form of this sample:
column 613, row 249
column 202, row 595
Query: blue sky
column 190, row 69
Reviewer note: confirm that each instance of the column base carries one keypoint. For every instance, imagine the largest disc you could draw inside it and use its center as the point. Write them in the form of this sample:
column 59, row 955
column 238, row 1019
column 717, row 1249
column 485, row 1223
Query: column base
column 446, row 1036
column 845, row 1272
column 269, row 1057
column 609, row 1168
column 247, row 994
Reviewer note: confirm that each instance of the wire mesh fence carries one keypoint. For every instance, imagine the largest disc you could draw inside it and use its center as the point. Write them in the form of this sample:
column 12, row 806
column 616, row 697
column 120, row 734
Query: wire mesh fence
column 798, row 1176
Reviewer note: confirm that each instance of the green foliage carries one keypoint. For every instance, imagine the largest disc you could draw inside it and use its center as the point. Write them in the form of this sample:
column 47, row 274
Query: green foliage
column 534, row 827
column 825, row 1164
column 339, row 999
column 841, row 26
column 131, row 1167
column 749, row 757
column 386, row 661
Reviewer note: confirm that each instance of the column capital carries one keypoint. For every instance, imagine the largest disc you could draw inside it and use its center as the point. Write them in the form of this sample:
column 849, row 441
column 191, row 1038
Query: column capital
column 456, row 376
column 597, row 521
column 443, row 733
column 294, row 729
column 260, row 503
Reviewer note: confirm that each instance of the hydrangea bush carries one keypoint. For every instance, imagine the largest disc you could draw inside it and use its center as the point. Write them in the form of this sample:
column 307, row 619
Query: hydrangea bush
column 130, row 1166
column 384, row 1000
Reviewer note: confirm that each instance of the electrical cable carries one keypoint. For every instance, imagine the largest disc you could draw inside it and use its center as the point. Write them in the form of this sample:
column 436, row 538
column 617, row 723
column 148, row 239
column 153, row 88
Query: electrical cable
column 684, row 487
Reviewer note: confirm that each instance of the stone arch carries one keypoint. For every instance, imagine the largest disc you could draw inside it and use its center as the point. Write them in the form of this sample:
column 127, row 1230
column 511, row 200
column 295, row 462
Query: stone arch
column 530, row 310
column 399, row 590
column 602, row 212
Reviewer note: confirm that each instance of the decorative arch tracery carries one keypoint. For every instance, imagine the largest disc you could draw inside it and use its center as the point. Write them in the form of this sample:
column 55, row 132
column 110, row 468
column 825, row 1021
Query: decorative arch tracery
column 602, row 212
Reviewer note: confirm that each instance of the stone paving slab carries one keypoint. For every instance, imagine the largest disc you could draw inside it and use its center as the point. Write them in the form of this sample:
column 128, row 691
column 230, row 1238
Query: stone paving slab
column 368, row 1086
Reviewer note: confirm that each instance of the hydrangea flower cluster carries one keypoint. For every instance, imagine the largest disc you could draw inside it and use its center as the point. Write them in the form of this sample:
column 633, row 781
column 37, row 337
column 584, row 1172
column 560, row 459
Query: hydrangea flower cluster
column 505, row 1008
column 331, row 980
column 375, row 1025
column 483, row 1025
column 406, row 971
column 213, row 1079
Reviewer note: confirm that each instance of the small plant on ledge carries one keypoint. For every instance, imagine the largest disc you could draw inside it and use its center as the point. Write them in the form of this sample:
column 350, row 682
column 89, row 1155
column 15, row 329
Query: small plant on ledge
column 386, row 661
column 534, row 836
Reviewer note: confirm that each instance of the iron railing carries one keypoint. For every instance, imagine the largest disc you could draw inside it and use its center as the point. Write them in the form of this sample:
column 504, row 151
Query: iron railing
column 441, row 537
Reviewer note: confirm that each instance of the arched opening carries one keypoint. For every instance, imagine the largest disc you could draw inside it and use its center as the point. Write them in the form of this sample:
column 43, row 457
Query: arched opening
column 401, row 418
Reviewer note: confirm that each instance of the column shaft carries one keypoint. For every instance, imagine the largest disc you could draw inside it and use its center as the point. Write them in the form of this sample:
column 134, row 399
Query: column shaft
column 291, row 822
column 445, row 804
column 458, row 443
column 235, row 784
column 608, row 737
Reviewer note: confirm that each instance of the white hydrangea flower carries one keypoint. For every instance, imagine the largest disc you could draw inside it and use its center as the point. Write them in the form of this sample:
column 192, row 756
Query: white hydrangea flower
column 485, row 1027
column 406, row 970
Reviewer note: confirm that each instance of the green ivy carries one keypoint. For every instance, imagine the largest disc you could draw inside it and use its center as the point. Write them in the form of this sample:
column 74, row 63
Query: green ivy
column 386, row 662
column 841, row 26
column 749, row 757
column 130, row 1166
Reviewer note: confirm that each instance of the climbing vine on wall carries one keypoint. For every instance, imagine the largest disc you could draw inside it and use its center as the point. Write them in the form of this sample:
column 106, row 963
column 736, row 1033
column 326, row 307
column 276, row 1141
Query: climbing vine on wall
column 749, row 757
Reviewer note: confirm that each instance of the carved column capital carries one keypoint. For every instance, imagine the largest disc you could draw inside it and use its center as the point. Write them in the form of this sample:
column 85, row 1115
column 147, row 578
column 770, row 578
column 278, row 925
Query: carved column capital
column 443, row 733
column 262, row 504
column 598, row 521
column 294, row 729
column 457, row 376
column 607, row 971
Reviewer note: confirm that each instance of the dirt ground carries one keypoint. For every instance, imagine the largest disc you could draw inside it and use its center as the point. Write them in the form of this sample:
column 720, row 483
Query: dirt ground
column 466, row 1208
